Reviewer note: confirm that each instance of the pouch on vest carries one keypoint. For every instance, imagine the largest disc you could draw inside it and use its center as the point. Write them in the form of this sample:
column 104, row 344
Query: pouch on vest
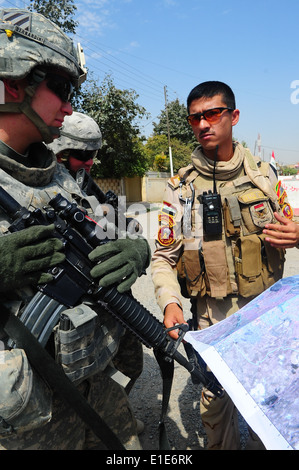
column 258, row 265
column 216, row 267
column 232, row 216
column 85, row 342
column 272, row 262
column 25, row 400
column 190, row 273
column 248, row 265
column 256, row 211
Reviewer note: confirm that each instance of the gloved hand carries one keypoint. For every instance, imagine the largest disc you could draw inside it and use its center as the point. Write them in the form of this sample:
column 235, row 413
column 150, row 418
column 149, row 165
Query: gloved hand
column 26, row 255
column 120, row 262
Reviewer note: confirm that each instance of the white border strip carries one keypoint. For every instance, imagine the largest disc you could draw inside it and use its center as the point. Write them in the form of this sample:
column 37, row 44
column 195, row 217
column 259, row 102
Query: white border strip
column 248, row 408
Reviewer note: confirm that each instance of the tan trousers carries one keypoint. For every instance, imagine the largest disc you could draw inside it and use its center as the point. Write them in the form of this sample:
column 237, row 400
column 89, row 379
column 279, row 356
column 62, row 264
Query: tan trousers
column 220, row 419
column 219, row 415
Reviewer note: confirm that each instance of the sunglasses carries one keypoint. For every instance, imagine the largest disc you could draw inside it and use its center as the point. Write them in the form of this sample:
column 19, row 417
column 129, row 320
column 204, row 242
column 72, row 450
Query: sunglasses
column 212, row 116
column 61, row 86
column 82, row 155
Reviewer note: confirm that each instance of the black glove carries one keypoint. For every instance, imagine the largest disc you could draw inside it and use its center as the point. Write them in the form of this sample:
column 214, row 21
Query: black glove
column 120, row 262
column 26, row 255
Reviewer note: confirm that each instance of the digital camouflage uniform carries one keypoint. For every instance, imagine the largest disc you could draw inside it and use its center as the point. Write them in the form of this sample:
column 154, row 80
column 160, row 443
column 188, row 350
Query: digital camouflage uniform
column 80, row 132
column 31, row 416
column 219, row 273
column 115, row 410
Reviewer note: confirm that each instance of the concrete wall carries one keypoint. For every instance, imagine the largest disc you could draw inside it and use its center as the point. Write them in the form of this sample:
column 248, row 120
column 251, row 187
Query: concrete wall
column 153, row 186
column 150, row 188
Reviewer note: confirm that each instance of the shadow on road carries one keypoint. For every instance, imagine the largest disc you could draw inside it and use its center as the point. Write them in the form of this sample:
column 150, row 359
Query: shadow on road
column 183, row 422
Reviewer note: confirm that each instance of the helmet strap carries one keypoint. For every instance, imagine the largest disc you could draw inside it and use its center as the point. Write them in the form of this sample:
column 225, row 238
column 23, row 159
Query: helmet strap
column 47, row 132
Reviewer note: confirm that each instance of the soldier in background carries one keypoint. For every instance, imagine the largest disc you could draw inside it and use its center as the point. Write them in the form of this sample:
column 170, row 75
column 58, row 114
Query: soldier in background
column 78, row 145
column 79, row 142
column 39, row 67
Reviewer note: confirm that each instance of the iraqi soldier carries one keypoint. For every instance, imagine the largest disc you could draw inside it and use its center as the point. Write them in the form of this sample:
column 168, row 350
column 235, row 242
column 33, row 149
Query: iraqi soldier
column 224, row 225
column 39, row 67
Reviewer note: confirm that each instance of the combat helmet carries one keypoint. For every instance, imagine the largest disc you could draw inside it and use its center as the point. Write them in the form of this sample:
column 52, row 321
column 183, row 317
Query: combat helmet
column 79, row 132
column 31, row 44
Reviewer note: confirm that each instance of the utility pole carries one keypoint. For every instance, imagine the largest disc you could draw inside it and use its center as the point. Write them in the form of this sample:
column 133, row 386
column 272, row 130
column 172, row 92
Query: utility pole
column 259, row 142
column 170, row 152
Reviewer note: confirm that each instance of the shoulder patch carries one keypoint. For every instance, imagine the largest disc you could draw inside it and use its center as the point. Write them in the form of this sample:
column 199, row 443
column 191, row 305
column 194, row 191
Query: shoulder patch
column 166, row 235
column 168, row 208
column 166, row 219
column 287, row 211
column 286, row 208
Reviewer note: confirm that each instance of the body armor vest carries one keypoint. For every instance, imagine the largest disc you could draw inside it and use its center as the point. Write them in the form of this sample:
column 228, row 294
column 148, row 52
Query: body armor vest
column 239, row 261
column 85, row 342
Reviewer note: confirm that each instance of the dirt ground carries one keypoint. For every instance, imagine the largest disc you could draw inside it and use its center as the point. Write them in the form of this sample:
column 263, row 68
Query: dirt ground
column 183, row 422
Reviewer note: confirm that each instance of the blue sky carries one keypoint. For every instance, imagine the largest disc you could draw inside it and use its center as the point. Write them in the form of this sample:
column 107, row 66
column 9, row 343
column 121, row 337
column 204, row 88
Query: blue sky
column 251, row 45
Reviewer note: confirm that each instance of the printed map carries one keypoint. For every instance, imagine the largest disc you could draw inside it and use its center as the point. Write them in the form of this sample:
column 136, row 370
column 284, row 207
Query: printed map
column 255, row 356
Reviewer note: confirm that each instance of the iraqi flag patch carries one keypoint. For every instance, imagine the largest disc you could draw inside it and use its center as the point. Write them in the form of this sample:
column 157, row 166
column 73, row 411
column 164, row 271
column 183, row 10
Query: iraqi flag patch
column 168, row 209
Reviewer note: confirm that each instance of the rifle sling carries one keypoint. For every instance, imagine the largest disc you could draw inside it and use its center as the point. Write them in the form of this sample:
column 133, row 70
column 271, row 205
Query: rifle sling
column 167, row 371
column 56, row 379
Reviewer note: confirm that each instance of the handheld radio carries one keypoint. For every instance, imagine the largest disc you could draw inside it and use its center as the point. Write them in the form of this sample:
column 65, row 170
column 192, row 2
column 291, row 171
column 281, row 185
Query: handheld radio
column 211, row 201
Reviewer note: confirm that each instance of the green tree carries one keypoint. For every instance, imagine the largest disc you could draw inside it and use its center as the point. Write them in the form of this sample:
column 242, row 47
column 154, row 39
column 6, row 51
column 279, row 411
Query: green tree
column 181, row 154
column 288, row 171
column 178, row 125
column 61, row 12
column 160, row 163
column 117, row 113
column 157, row 145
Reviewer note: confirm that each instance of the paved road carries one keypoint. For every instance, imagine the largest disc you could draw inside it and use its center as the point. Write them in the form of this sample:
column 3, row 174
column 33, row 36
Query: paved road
column 183, row 421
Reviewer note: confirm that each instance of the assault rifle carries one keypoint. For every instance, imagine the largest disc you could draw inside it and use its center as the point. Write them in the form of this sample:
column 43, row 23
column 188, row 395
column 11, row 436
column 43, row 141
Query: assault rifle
column 88, row 185
column 91, row 188
column 72, row 282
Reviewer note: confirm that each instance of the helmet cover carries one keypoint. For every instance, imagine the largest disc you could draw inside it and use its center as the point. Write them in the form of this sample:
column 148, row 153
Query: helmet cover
column 28, row 40
column 78, row 132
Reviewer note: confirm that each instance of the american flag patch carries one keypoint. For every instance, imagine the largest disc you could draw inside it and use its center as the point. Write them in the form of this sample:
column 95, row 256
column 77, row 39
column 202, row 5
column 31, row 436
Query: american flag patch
column 21, row 19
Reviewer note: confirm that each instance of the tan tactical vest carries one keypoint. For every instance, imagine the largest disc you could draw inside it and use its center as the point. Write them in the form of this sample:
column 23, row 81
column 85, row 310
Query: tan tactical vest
column 239, row 261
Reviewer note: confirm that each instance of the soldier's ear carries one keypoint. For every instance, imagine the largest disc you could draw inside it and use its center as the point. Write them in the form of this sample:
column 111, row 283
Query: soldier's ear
column 12, row 87
column 235, row 116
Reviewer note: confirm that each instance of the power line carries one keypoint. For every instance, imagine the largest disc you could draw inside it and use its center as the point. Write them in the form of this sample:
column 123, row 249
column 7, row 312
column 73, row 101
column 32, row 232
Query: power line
column 282, row 150
column 128, row 76
column 153, row 82
column 119, row 51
